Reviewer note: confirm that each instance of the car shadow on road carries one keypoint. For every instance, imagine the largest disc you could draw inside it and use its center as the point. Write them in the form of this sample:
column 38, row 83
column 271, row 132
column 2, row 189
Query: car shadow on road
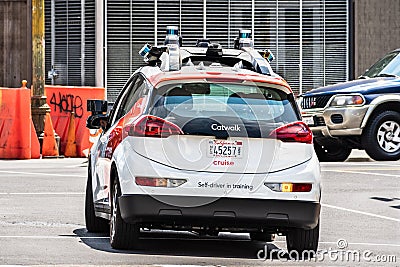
column 170, row 243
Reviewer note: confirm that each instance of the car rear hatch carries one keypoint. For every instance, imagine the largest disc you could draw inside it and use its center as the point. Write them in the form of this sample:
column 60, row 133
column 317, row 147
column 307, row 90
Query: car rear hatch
column 222, row 127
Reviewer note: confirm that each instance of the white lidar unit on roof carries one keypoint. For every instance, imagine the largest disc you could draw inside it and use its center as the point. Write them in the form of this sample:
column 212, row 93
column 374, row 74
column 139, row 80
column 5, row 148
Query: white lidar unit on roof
column 172, row 36
column 243, row 40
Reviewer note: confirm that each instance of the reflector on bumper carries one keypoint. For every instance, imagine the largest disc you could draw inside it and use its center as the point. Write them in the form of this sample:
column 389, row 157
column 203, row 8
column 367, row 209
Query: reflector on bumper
column 159, row 182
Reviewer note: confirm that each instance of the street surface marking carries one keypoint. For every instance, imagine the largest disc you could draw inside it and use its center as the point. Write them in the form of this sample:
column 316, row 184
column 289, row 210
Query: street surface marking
column 107, row 237
column 47, row 174
column 360, row 244
column 367, row 173
column 186, row 265
column 40, row 224
column 53, row 237
column 375, row 163
column 44, row 193
column 360, row 168
column 361, row 212
column 78, row 165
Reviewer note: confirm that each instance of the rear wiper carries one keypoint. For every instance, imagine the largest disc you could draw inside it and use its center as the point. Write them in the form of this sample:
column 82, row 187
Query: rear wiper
column 387, row 75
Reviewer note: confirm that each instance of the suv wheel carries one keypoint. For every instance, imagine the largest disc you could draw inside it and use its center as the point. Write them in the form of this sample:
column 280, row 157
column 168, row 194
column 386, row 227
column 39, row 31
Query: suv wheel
column 122, row 235
column 331, row 150
column 300, row 240
column 93, row 224
column 381, row 138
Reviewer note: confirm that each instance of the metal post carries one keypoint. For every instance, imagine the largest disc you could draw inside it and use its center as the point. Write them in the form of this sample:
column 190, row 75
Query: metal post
column 229, row 23
column 101, row 64
column 347, row 40
column 39, row 106
column 301, row 50
column 83, row 42
column 324, row 41
column 204, row 19
column 131, row 35
column 180, row 16
column 155, row 22
column 253, row 7
column 53, row 37
column 277, row 34
column 67, row 55
column 105, row 82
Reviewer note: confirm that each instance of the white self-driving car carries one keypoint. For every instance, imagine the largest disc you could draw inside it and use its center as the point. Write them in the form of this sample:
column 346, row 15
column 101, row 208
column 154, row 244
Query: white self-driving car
column 212, row 143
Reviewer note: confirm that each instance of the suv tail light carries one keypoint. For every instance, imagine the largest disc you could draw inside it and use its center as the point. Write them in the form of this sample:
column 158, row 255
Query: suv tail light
column 152, row 126
column 293, row 132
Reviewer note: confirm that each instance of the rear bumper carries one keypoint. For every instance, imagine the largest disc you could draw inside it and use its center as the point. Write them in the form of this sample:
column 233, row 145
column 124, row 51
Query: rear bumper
column 220, row 212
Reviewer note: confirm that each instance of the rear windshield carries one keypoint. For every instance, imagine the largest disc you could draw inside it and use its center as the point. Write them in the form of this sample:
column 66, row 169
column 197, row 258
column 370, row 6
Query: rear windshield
column 225, row 103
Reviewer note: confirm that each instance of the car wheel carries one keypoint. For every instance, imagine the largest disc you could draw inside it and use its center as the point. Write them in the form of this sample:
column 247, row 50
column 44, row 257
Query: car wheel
column 122, row 235
column 93, row 224
column 381, row 138
column 262, row 236
column 300, row 240
column 331, row 150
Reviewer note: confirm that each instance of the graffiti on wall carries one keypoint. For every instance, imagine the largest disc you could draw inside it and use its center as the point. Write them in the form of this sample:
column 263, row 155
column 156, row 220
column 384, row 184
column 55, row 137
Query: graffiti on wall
column 67, row 103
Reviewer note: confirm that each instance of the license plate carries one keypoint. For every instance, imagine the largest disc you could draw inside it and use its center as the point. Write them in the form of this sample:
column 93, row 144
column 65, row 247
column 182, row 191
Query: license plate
column 308, row 120
column 224, row 148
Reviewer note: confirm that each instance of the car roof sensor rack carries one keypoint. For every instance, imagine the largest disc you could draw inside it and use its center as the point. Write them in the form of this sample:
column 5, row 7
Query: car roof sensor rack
column 151, row 54
column 170, row 56
column 203, row 43
column 167, row 57
column 214, row 50
column 259, row 63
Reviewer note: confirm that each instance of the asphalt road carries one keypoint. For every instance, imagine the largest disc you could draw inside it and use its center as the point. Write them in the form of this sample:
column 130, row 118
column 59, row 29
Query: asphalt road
column 42, row 222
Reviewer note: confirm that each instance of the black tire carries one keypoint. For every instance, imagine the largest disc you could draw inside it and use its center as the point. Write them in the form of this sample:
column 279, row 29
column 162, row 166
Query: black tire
column 331, row 150
column 300, row 240
column 93, row 224
column 370, row 138
column 262, row 236
column 122, row 235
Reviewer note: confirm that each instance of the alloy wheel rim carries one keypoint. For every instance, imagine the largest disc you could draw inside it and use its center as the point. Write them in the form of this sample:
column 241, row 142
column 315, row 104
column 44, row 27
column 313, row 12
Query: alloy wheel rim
column 114, row 212
column 388, row 136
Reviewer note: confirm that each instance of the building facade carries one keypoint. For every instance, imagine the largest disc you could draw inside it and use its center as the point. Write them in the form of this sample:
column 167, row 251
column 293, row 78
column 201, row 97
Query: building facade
column 15, row 43
column 315, row 42
column 70, row 42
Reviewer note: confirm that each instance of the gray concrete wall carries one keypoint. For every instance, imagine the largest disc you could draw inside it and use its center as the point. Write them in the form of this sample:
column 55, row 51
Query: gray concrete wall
column 377, row 31
column 15, row 42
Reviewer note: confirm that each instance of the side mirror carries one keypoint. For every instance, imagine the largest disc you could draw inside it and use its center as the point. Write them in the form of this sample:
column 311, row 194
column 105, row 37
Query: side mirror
column 98, row 119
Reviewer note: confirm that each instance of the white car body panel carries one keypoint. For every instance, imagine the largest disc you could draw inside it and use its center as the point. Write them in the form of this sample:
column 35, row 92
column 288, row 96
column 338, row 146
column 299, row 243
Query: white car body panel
column 190, row 153
column 225, row 184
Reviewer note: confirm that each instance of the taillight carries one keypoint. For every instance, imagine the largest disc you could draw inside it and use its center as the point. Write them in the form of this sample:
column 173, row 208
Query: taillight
column 289, row 187
column 152, row 126
column 293, row 132
column 297, row 187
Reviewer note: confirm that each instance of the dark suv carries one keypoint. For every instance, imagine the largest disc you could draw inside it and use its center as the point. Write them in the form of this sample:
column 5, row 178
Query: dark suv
column 361, row 114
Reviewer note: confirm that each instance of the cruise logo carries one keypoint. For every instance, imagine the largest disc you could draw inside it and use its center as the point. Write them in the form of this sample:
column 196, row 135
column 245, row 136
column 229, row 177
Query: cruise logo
column 232, row 128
